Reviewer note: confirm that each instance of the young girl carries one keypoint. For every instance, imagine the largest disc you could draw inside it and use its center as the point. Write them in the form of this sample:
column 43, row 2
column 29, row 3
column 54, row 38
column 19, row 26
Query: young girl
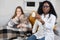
column 19, row 20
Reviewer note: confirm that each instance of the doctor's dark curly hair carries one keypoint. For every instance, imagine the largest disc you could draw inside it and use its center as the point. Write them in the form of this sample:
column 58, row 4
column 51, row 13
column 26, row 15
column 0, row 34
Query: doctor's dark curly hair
column 52, row 10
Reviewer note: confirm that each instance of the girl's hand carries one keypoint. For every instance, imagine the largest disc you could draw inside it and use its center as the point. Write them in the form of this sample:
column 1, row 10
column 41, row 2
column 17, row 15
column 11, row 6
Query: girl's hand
column 18, row 26
column 23, row 25
column 17, row 17
column 18, row 14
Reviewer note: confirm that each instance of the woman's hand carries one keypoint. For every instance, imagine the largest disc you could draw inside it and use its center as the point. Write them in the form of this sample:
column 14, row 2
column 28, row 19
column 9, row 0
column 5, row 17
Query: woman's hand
column 41, row 21
column 39, row 18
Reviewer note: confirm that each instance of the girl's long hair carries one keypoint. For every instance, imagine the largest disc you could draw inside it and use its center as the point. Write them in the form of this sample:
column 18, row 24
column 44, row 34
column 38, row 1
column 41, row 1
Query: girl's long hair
column 16, row 11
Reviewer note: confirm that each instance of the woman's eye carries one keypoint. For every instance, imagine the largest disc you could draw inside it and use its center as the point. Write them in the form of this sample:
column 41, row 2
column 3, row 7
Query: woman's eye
column 45, row 6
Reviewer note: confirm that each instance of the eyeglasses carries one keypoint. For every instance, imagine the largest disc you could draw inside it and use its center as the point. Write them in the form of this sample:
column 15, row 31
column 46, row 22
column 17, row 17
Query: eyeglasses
column 46, row 6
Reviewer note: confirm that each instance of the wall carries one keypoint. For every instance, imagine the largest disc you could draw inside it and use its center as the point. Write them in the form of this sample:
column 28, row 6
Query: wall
column 7, row 8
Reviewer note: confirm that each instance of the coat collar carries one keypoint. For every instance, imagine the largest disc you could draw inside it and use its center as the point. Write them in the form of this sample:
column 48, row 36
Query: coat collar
column 46, row 16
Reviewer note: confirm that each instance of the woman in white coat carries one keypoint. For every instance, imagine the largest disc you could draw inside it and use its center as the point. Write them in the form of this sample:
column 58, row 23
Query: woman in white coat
column 46, row 21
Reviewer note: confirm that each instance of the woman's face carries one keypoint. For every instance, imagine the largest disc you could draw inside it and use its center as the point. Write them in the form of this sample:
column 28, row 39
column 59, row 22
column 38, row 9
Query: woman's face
column 46, row 8
column 18, row 11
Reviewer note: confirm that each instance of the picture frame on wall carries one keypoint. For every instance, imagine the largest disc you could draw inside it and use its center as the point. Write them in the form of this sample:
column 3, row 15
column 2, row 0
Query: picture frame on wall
column 30, row 4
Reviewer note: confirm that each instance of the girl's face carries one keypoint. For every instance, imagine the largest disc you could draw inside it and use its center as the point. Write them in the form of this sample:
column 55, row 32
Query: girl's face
column 46, row 8
column 18, row 11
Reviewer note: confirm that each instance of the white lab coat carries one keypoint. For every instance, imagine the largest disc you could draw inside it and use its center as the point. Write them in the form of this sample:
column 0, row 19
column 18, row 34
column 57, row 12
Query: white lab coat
column 45, row 30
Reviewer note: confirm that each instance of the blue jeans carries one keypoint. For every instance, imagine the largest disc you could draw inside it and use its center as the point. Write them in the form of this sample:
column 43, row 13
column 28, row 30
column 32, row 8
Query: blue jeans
column 33, row 37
